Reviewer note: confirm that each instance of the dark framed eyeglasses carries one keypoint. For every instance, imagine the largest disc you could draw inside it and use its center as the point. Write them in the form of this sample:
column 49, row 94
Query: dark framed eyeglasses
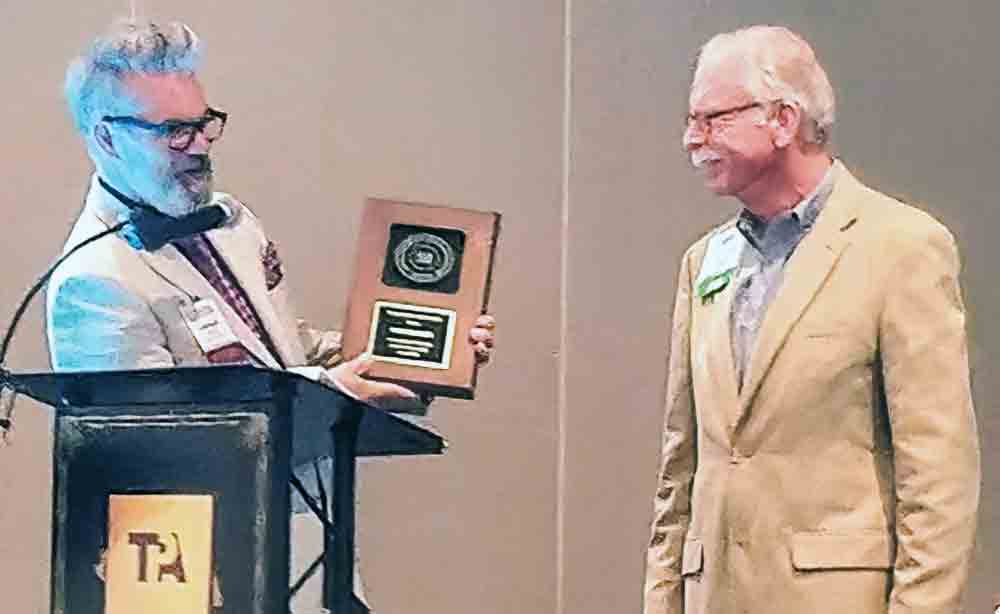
column 179, row 133
column 707, row 122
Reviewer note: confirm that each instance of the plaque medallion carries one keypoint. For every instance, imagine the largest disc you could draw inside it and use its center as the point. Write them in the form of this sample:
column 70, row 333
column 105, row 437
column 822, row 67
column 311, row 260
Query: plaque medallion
column 424, row 258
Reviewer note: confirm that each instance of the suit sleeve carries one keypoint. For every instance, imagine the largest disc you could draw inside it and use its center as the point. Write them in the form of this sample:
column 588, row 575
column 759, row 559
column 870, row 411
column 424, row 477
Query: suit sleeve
column 323, row 347
column 664, row 589
column 937, row 466
column 96, row 324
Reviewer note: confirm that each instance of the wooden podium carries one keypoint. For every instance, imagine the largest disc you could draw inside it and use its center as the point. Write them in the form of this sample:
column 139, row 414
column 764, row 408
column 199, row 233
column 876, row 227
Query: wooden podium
column 171, row 487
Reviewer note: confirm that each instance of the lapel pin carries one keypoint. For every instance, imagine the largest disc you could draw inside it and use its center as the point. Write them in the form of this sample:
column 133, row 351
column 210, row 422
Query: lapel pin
column 713, row 284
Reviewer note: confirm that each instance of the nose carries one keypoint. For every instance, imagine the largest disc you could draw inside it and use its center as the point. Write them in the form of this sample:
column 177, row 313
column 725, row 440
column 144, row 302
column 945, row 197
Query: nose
column 199, row 144
column 693, row 138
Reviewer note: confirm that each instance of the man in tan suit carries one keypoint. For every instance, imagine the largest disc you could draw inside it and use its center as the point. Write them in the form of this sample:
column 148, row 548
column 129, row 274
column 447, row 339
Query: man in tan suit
column 819, row 451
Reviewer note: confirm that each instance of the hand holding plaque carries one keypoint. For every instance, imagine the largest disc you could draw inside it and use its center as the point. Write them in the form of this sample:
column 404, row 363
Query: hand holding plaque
column 422, row 278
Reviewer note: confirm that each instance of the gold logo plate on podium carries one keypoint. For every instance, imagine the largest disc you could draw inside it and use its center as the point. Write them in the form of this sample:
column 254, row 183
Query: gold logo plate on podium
column 159, row 557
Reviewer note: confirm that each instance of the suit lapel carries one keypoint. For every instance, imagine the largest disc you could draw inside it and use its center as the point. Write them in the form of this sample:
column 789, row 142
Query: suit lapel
column 719, row 354
column 712, row 351
column 804, row 275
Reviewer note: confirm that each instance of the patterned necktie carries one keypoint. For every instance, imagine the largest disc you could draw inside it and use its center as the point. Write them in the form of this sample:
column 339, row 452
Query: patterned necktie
column 204, row 257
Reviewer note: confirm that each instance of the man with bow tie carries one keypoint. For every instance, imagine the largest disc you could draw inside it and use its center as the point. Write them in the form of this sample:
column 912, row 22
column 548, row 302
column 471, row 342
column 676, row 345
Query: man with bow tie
column 819, row 448
column 136, row 100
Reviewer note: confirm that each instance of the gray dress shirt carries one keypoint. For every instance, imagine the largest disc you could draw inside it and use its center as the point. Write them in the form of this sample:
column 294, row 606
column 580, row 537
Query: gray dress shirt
column 769, row 245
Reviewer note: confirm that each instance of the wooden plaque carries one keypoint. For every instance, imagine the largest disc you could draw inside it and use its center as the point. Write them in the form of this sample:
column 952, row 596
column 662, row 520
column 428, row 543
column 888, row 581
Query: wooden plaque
column 421, row 278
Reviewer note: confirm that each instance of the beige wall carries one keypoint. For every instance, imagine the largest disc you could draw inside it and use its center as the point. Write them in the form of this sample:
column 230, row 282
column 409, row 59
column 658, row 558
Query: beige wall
column 542, row 502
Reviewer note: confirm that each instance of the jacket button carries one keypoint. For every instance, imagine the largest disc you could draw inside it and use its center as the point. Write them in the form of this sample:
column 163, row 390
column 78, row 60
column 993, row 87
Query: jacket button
column 737, row 458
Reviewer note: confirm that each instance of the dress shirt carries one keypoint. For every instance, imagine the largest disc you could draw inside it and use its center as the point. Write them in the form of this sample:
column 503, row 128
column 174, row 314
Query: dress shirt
column 769, row 245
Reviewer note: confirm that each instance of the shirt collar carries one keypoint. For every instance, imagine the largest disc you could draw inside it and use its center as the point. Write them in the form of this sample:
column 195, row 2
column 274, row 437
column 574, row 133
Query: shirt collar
column 105, row 206
column 779, row 236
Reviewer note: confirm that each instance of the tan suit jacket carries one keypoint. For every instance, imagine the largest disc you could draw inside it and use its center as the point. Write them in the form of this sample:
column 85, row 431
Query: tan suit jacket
column 844, row 476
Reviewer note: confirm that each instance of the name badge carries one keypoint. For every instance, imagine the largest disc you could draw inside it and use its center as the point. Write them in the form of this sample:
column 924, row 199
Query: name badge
column 724, row 250
column 206, row 323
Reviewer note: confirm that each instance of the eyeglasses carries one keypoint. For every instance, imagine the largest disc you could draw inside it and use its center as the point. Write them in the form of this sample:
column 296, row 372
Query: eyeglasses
column 707, row 122
column 179, row 133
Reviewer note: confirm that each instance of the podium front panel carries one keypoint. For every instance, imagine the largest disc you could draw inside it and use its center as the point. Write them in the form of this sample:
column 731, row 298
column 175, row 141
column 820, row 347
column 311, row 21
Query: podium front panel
column 178, row 491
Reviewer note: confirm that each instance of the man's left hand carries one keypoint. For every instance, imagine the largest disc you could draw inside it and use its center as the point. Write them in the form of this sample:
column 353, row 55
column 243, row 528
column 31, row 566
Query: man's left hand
column 482, row 338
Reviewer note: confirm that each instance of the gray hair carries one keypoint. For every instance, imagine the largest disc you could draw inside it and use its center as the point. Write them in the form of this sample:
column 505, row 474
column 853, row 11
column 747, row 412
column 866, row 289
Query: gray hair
column 782, row 67
column 93, row 80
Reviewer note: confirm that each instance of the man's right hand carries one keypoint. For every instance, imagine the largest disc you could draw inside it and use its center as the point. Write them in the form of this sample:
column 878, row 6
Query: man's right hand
column 347, row 378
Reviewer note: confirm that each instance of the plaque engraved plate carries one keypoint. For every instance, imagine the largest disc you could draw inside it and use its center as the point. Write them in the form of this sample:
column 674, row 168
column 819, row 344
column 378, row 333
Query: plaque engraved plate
column 412, row 335
column 422, row 277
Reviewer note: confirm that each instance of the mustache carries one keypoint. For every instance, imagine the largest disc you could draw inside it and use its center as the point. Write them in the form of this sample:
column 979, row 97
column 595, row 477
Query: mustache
column 702, row 157
column 197, row 163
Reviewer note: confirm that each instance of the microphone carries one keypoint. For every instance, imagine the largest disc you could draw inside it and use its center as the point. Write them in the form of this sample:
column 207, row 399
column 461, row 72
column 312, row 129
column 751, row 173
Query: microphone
column 8, row 390
column 146, row 229
column 7, row 397
column 149, row 229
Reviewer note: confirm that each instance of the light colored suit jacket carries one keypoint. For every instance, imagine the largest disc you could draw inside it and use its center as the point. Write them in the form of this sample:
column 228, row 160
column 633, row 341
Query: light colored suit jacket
column 113, row 307
column 844, row 476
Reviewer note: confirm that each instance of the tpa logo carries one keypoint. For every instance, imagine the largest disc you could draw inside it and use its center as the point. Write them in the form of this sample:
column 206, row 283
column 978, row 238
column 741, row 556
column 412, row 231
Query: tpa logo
column 174, row 566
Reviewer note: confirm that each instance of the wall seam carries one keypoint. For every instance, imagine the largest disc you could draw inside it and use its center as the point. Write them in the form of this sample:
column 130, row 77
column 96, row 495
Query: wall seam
column 562, row 367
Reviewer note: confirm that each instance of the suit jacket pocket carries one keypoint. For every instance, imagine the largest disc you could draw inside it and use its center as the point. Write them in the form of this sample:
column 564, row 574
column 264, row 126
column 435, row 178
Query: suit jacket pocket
column 826, row 330
column 822, row 335
column 851, row 550
column 693, row 558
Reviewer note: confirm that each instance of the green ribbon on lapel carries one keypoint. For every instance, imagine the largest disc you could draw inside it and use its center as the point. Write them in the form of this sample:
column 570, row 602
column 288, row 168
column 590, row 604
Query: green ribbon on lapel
column 713, row 284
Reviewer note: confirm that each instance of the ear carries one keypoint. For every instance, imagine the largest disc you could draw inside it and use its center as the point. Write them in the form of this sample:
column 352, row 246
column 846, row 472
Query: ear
column 786, row 123
column 102, row 136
